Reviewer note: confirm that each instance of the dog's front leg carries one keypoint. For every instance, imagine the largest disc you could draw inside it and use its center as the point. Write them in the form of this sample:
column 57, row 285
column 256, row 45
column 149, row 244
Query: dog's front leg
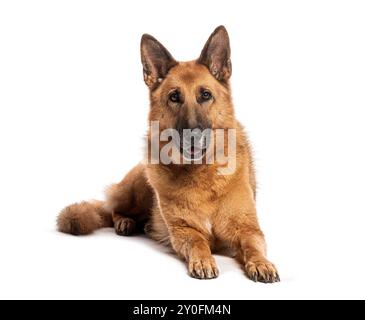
column 252, row 253
column 239, row 227
column 249, row 241
column 189, row 240
column 191, row 245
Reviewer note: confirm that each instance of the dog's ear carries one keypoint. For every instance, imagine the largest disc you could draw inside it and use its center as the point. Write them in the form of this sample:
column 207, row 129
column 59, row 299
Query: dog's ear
column 156, row 61
column 216, row 54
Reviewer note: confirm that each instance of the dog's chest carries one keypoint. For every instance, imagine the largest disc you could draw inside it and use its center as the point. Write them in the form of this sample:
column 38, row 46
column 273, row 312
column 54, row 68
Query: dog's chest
column 208, row 225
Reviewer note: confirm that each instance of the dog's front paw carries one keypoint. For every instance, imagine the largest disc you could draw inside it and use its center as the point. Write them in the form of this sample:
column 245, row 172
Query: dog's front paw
column 262, row 271
column 205, row 268
column 125, row 226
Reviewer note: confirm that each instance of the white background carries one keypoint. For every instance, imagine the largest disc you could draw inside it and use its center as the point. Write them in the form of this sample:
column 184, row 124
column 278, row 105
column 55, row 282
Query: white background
column 73, row 111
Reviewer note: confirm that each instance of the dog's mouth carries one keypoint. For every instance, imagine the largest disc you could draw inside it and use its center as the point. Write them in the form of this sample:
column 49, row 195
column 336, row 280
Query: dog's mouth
column 193, row 152
column 194, row 145
column 194, row 148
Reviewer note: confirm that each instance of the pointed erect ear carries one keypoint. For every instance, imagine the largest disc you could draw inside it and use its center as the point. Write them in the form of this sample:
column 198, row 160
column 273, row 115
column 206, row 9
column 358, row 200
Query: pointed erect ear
column 156, row 61
column 216, row 55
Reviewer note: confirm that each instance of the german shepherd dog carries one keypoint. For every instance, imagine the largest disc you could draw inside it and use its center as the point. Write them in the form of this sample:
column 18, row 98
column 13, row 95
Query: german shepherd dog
column 191, row 207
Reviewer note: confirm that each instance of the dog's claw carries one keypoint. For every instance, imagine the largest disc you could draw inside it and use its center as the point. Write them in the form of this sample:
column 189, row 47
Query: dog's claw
column 262, row 271
column 203, row 269
column 254, row 277
column 277, row 278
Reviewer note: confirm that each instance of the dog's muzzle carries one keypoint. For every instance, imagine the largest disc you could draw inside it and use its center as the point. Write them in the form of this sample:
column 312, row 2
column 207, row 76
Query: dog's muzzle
column 193, row 143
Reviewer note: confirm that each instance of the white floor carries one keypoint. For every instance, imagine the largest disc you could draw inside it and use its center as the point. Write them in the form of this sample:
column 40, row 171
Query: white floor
column 43, row 264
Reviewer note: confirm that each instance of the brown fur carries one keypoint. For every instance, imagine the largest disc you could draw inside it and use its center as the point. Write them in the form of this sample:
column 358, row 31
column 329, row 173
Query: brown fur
column 189, row 207
column 84, row 218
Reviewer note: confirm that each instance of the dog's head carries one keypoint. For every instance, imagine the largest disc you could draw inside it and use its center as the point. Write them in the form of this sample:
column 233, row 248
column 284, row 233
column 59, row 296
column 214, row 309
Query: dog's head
column 191, row 95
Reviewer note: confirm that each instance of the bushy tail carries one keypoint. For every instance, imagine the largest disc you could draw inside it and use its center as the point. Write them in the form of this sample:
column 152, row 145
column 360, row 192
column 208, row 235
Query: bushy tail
column 84, row 218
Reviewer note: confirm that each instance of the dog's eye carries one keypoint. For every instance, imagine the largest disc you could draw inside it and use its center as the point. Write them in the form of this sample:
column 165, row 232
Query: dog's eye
column 205, row 95
column 175, row 96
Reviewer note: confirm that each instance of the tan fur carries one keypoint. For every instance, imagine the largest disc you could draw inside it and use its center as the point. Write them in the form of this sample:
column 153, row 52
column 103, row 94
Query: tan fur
column 83, row 218
column 189, row 207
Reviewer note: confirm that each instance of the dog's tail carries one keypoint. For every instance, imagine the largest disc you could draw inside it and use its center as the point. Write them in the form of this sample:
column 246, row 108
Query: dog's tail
column 84, row 218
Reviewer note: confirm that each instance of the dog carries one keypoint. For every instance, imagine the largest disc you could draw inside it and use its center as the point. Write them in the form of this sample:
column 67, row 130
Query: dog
column 193, row 207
